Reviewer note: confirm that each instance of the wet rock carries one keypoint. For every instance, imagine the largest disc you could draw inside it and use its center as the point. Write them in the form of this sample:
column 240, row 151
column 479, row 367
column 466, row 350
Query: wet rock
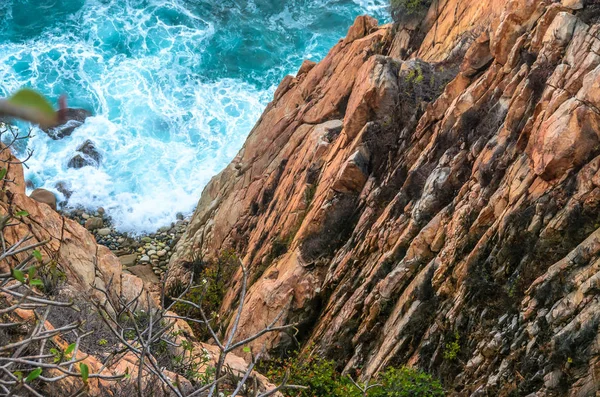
column 87, row 155
column 71, row 119
column 94, row 223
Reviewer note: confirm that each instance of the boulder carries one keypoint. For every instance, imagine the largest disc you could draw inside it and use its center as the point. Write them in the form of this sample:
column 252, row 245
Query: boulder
column 44, row 196
column 87, row 155
column 144, row 273
column 128, row 260
column 104, row 231
column 71, row 118
column 94, row 223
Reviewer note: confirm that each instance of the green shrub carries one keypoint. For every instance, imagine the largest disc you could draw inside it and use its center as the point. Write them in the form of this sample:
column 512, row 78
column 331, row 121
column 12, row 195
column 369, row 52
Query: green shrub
column 213, row 279
column 405, row 9
column 323, row 380
column 452, row 348
column 407, row 382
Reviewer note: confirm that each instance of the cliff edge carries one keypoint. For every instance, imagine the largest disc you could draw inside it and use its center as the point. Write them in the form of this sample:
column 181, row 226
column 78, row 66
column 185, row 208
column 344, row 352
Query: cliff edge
column 427, row 184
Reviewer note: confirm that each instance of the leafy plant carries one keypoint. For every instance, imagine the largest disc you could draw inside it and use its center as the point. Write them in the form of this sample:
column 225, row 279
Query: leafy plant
column 407, row 382
column 29, row 105
column 405, row 9
column 317, row 374
column 452, row 348
column 213, row 279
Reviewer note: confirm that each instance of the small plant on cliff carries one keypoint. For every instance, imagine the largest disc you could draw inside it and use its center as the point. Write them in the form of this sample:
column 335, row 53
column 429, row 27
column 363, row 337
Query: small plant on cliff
column 323, row 380
column 215, row 275
column 402, row 10
column 452, row 348
column 317, row 374
column 407, row 382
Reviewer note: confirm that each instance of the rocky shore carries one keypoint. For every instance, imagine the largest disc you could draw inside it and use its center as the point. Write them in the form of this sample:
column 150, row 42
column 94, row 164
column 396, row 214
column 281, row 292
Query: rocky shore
column 146, row 256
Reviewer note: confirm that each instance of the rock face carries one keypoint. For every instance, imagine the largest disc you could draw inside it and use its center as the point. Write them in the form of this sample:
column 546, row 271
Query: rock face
column 415, row 214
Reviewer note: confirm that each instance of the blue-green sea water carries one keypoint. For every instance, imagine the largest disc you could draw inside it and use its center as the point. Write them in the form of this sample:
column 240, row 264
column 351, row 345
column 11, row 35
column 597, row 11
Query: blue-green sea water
column 175, row 87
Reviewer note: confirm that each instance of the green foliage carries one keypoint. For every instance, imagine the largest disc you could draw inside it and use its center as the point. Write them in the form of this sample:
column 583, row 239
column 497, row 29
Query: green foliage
column 213, row 280
column 407, row 382
column 319, row 375
column 102, row 342
column 33, row 375
column 405, row 9
column 85, row 372
column 62, row 356
column 452, row 348
column 29, row 105
column 51, row 276
column 323, row 380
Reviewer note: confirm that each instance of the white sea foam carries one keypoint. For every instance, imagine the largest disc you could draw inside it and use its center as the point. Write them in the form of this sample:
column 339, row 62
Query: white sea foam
column 171, row 90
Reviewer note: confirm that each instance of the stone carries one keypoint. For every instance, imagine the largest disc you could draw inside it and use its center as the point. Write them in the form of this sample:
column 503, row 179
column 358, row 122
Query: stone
column 128, row 260
column 145, row 273
column 94, row 223
column 161, row 253
column 87, row 155
column 44, row 196
column 63, row 189
column 144, row 259
column 104, row 231
column 70, row 119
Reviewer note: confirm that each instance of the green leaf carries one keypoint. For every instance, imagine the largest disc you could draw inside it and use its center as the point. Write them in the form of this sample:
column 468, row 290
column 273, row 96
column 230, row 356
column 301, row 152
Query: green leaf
column 33, row 375
column 40, row 111
column 70, row 349
column 18, row 275
column 36, row 282
column 22, row 213
column 85, row 372
column 3, row 172
column 19, row 375
column 31, row 272
column 37, row 255
column 246, row 349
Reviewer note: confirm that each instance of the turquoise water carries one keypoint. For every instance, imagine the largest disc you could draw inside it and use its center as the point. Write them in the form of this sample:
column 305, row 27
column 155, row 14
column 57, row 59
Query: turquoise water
column 175, row 87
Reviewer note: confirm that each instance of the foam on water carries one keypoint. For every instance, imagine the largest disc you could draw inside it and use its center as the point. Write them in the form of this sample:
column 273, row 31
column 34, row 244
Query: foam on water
column 175, row 87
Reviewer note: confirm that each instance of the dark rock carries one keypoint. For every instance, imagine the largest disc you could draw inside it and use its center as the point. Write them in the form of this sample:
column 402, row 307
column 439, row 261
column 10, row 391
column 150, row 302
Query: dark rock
column 44, row 196
column 71, row 118
column 63, row 189
column 88, row 155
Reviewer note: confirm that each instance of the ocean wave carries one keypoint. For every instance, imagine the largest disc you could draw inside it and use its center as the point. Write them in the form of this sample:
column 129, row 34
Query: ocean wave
column 175, row 87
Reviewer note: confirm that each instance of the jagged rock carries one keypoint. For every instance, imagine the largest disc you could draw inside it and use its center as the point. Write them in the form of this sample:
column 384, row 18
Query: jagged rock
column 88, row 155
column 72, row 119
column 44, row 196
column 442, row 209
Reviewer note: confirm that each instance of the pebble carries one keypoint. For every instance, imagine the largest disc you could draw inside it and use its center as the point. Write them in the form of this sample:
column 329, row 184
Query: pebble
column 151, row 252
column 144, row 259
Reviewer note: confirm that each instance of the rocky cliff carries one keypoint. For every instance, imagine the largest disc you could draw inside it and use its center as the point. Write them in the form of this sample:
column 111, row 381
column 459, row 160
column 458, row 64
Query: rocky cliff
column 429, row 194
